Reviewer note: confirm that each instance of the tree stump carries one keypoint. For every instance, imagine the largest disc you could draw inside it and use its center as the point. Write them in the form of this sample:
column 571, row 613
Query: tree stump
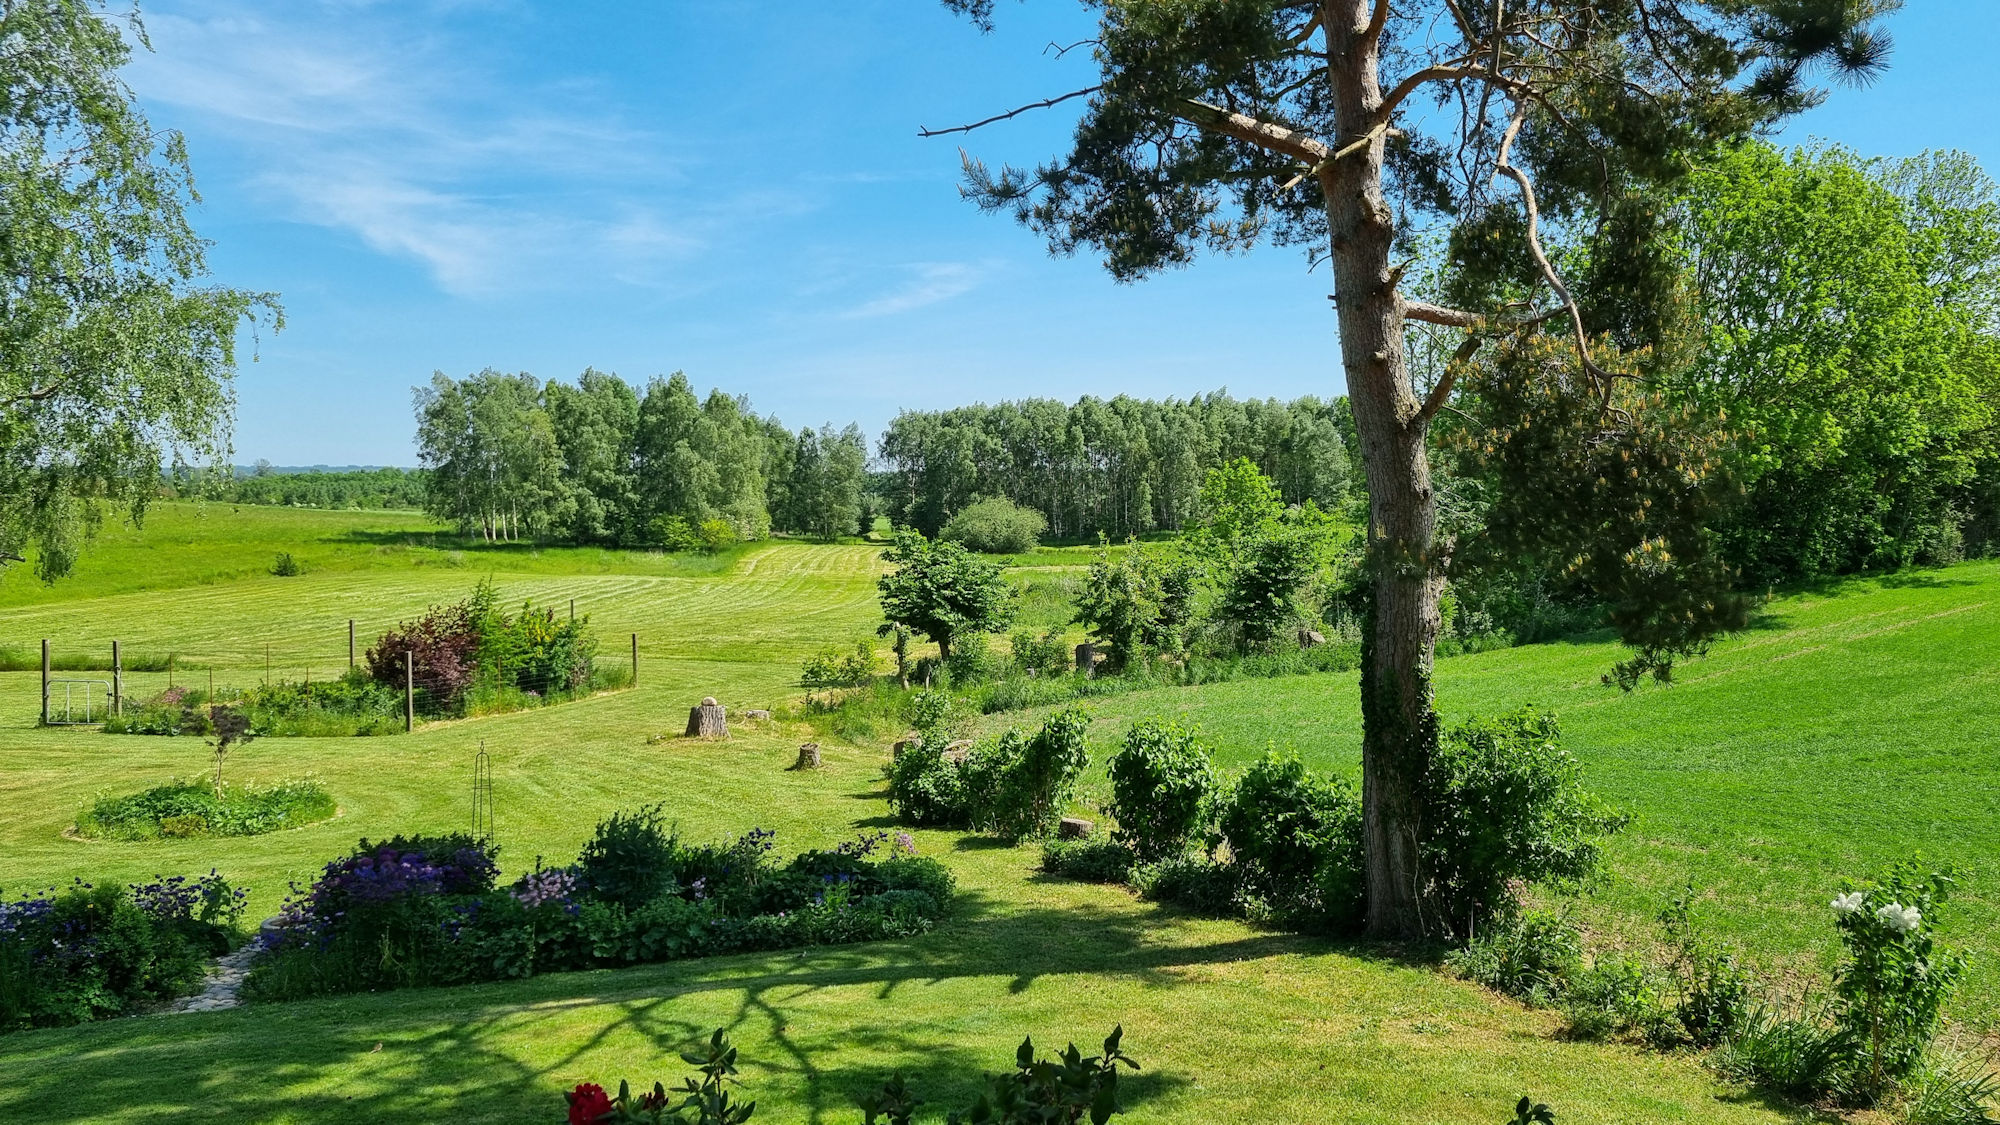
column 957, row 752
column 757, row 716
column 1074, row 828
column 1311, row 638
column 707, row 720
column 808, row 757
column 1086, row 659
column 909, row 741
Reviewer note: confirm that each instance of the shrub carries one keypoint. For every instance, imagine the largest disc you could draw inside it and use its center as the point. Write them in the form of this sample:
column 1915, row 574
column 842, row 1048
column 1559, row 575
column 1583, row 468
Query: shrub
column 928, row 789
column 970, row 660
column 1713, row 985
column 1046, row 655
column 832, row 668
column 1504, row 807
column 1195, row 883
column 1142, row 599
column 1532, row 956
column 88, row 952
column 629, row 861
column 997, row 526
column 1892, row 984
column 442, row 649
column 1298, row 839
column 1088, row 861
column 1163, row 787
column 1020, row 786
column 194, row 808
column 286, row 566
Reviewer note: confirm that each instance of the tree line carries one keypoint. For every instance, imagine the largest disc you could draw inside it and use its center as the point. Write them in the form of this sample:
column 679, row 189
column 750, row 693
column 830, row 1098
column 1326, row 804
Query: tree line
column 600, row 461
column 1118, row 467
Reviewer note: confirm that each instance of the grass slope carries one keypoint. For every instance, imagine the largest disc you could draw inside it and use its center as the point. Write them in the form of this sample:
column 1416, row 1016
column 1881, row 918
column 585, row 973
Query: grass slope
column 1845, row 732
column 1850, row 728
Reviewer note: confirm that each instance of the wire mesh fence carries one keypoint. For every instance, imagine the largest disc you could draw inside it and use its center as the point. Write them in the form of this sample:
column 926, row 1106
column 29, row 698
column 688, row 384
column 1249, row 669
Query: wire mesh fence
column 346, row 679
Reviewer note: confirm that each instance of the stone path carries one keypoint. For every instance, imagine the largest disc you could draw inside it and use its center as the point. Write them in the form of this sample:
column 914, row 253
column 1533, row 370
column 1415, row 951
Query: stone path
column 223, row 981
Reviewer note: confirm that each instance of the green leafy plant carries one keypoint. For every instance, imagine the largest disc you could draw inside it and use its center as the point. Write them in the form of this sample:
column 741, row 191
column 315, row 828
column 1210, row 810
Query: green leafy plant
column 996, row 526
column 1894, row 980
column 1088, row 860
column 1163, row 784
column 1067, row 1089
column 705, row 1100
column 1505, row 808
column 629, row 859
column 1297, row 838
column 1532, row 956
column 833, row 668
column 1020, row 785
column 181, row 809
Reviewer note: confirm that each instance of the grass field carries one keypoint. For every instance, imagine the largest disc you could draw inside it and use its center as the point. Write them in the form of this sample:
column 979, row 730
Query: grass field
column 1853, row 726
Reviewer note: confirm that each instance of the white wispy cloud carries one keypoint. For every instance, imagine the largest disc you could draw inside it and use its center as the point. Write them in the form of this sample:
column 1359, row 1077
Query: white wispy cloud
column 388, row 129
column 928, row 283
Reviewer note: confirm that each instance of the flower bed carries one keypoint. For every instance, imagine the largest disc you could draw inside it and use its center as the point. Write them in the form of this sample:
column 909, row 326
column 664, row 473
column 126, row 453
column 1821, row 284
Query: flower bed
column 181, row 809
column 87, row 952
column 428, row 910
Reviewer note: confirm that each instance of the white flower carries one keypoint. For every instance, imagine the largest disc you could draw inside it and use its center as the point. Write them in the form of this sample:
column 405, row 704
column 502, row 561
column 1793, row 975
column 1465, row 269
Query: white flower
column 1900, row 918
column 1847, row 904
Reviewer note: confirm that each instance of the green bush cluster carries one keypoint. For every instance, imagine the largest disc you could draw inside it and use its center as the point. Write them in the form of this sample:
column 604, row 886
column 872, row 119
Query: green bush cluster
column 1504, row 805
column 427, row 911
column 1285, row 845
column 1017, row 785
column 193, row 808
column 996, row 526
column 88, row 952
column 1163, row 786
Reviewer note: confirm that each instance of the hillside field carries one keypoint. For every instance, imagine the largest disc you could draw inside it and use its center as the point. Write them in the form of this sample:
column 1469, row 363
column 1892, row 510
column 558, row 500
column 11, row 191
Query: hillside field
column 1852, row 726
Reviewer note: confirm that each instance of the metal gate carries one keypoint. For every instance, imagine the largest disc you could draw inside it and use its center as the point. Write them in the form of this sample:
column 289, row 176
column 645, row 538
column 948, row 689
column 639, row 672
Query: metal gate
column 84, row 702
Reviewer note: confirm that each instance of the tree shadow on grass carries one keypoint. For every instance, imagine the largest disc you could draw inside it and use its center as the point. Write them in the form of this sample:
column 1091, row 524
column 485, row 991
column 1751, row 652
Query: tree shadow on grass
column 502, row 1052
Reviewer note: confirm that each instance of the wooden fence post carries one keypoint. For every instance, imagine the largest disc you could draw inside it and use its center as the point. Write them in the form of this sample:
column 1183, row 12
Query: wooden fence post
column 572, row 610
column 409, row 694
column 45, row 681
column 350, row 642
column 117, row 682
column 635, row 660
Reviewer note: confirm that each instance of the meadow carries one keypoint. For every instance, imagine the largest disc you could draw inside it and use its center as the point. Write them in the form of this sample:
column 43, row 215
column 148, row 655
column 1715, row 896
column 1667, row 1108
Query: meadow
column 1850, row 727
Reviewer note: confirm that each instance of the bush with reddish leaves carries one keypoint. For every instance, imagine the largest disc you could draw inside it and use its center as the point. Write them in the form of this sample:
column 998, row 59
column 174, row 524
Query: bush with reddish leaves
column 442, row 647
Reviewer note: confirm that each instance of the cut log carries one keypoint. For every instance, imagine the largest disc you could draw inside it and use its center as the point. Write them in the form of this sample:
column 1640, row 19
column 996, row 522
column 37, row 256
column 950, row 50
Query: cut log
column 757, row 716
column 1074, row 828
column 1311, row 638
column 957, row 752
column 909, row 741
column 707, row 721
column 808, row 757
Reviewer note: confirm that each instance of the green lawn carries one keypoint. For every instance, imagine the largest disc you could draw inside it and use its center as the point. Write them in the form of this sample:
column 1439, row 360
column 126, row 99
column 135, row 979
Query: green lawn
column 1847, row 730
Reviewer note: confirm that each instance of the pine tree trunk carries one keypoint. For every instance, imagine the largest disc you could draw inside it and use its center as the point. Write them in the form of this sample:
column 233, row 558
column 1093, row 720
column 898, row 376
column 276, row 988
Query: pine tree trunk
column 1398, row 724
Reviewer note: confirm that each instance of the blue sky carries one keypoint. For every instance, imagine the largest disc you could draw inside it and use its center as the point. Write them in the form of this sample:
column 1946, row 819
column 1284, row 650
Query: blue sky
column 736, row 191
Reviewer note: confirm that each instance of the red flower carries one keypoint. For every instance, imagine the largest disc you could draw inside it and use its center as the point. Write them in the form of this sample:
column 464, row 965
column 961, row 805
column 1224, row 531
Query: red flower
column 587, row 1103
